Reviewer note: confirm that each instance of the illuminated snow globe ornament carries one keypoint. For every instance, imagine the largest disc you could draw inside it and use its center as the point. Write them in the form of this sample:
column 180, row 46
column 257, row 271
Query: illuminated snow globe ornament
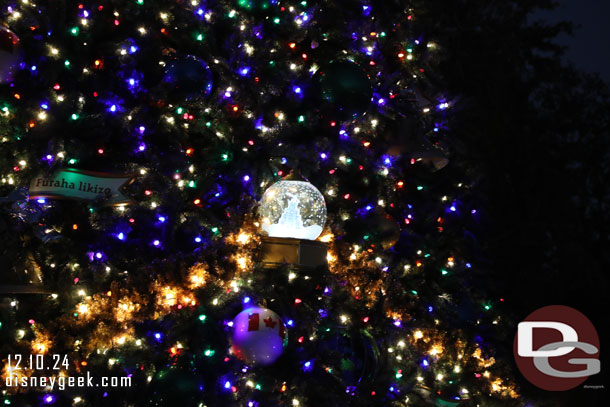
column 293, row 208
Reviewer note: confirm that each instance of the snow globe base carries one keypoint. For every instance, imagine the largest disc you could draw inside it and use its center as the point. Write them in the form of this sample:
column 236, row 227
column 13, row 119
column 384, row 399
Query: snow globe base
column 276, row 251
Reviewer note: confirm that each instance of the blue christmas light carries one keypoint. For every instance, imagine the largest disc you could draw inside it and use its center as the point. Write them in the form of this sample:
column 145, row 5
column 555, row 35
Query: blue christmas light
column 308, row 366
column 245, row 71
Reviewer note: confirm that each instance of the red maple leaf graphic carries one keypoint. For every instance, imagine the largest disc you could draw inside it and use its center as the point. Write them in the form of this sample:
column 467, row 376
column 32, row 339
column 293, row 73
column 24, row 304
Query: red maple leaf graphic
column 269, row 322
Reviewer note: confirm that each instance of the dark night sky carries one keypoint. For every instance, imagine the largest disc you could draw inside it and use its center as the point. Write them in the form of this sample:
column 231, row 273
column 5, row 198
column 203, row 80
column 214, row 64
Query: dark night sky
column 589, row 48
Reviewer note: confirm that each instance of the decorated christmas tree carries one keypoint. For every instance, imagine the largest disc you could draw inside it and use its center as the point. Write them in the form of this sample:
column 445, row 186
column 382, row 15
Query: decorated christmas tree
column 137, row 139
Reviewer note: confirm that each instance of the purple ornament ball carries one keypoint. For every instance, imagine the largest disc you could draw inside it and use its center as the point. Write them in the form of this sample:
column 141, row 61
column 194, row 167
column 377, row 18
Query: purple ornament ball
column 258, row 336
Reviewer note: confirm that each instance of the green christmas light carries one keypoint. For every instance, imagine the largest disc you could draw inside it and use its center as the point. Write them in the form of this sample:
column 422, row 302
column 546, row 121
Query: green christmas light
column 245, row 4
column 74, row 31
column 202, row 317
column 301, row 119
column 209, row 352
column 199, row 37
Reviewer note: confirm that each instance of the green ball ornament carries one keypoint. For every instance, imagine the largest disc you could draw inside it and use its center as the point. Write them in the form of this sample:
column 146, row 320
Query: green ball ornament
column 357, row 359
column 343, row 91
column 175, row 386
column 376, row 229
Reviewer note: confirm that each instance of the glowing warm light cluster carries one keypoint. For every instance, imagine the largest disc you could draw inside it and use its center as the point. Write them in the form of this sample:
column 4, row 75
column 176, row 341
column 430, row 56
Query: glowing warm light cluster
column 198, row 276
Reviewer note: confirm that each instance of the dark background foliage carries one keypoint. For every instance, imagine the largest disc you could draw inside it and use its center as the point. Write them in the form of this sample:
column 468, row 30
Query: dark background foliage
column 536, row 131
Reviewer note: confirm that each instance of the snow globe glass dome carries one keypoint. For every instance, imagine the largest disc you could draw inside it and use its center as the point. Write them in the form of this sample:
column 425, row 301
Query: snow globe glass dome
column 293, row 208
